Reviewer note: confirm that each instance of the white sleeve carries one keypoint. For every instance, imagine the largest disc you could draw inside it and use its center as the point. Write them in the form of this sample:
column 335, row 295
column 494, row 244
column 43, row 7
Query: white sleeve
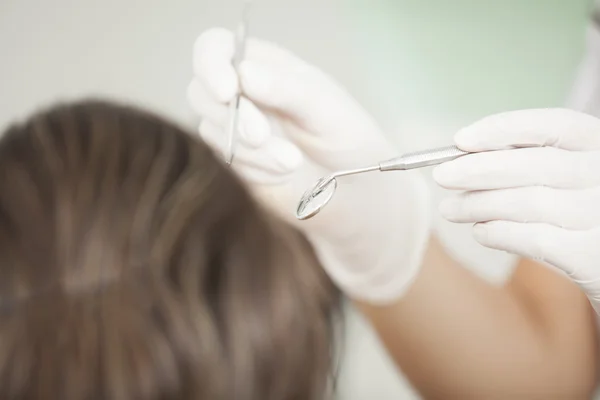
column 585, row 93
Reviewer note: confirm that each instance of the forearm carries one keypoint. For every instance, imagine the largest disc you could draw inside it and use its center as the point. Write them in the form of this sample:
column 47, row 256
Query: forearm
column 456, row 336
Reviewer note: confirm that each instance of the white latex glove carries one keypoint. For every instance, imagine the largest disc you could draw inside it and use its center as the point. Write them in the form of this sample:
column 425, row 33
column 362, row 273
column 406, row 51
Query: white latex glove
column 297, row 125
column 541, row 201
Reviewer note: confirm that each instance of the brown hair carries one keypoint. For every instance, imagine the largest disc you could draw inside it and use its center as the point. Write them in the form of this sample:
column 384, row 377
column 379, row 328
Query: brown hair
column 135, row 265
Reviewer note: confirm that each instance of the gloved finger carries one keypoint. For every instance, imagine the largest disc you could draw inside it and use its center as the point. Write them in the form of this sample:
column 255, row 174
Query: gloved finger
column 213, row 55
column 276, row 79
column 540, row 242
column 275, row 156
column 571, row 209
column 562, row 128
column 253, row 125
column 308, row 97
column 272, row 55
column 541, row 166
column 276, row 88
column 212, row 61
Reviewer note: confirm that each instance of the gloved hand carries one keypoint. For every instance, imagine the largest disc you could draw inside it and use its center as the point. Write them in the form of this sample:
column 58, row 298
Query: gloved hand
column 539, row 195
column 298, row 125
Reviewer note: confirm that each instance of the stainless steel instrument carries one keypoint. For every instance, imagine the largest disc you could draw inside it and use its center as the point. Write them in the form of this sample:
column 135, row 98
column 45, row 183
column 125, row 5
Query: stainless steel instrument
column 322, row 192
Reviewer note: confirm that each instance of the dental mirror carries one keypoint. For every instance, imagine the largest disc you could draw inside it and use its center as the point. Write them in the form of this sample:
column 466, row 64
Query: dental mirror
column 322, row 192
column 316, row 198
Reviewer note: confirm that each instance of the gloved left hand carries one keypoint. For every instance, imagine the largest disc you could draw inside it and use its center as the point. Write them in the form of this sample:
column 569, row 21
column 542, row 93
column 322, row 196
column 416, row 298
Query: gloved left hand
column 538, row 195
column 298, row 124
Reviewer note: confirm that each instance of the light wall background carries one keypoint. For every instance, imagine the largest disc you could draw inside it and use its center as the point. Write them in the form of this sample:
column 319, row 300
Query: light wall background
column 423, row 68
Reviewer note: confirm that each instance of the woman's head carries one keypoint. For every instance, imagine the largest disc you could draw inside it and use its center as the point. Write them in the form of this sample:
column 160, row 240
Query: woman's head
column 135, row 265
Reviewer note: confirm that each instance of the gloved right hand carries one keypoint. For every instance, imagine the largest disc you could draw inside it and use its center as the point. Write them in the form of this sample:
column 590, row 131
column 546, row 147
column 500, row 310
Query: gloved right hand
column 532, row 189
column 297, row 125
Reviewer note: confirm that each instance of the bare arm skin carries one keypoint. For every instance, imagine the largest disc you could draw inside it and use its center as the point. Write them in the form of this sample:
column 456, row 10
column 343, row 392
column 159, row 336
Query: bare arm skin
column 456, row 336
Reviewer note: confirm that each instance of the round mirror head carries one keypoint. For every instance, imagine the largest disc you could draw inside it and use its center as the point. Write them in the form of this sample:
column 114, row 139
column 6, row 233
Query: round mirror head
column 316, row 198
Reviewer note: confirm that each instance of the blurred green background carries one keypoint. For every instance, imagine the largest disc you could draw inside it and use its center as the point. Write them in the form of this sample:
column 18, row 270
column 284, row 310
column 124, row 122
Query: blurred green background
column 454, row 61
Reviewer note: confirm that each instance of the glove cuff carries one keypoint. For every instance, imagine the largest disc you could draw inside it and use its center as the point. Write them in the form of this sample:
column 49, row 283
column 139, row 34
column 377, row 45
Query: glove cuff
column 379, row 265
